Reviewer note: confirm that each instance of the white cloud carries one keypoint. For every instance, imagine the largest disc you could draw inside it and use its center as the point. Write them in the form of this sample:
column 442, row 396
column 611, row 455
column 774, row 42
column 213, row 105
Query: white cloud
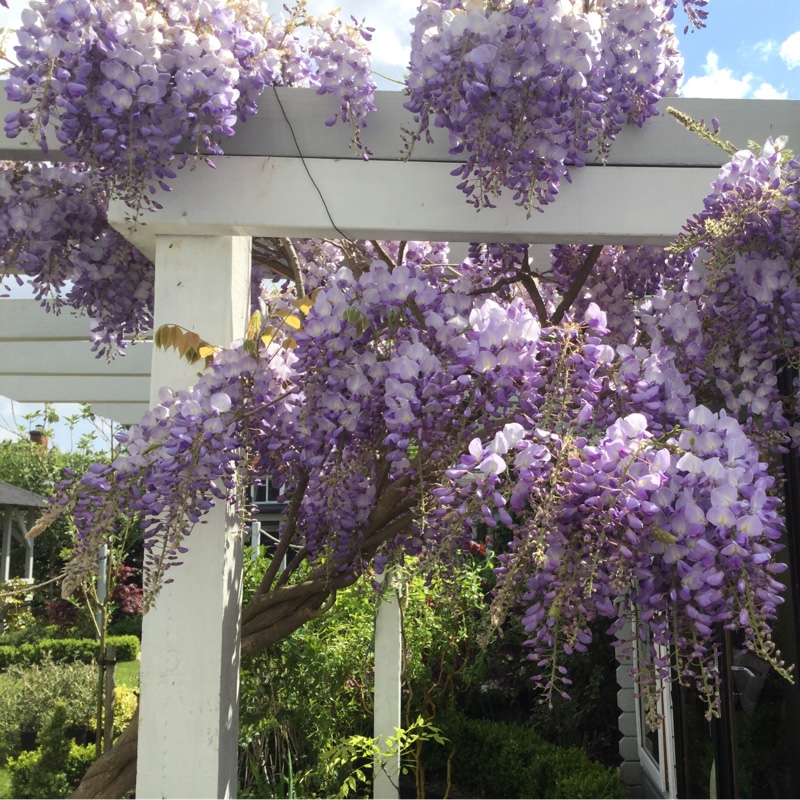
column 768, row 92
column 717, row 82
column 790, row 51
column 387, row 48
column 765, row 49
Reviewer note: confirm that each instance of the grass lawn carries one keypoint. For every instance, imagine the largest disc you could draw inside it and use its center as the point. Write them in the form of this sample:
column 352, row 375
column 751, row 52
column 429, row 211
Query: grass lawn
column 5, row 783
column 127, row 674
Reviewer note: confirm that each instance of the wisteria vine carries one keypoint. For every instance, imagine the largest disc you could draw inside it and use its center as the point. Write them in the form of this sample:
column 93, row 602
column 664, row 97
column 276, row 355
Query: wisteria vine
column 622, row 437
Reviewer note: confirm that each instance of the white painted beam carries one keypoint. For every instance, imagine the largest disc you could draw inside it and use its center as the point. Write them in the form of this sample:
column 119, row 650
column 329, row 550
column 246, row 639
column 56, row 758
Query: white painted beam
column 188, row 714
column 26, row 320
column 5, row 552
column 290, row 114
column 123, row 413
column 367, row 200
column 72, row 388
column 53, row 357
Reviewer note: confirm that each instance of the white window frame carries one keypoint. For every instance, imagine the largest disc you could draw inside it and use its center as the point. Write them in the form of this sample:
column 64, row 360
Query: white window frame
column 662, row 774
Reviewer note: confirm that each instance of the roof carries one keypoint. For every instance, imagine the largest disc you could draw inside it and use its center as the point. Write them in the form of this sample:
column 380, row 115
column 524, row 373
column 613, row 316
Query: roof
column 14, row 496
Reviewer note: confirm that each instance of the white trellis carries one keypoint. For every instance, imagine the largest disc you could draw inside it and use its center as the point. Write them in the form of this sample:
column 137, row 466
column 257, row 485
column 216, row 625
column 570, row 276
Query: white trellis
column 200, row 241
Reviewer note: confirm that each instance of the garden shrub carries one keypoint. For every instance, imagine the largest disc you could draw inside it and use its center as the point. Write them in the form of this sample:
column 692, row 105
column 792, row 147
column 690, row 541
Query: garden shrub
column 84, row 650
column 55, row 768
column 31, row 693
column 15, row 611
column 39, row 629
column 498, row 759
column 127, row 625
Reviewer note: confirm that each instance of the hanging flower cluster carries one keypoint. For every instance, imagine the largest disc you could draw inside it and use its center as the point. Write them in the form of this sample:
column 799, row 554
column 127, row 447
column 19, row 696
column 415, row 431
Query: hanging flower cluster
column 735, row 314
column 528, row 89
column 127, row 84
column 55, row 233
column 131, row 89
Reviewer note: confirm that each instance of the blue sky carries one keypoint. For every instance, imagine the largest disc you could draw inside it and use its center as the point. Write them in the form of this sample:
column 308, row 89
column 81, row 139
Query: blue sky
column 751, row 48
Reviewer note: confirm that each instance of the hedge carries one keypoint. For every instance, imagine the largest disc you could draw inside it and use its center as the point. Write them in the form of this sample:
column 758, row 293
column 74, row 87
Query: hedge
column 497, row 759
column 84, row 650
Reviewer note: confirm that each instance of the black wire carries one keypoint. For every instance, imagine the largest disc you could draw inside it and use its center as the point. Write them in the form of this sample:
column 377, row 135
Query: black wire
column 305, row 166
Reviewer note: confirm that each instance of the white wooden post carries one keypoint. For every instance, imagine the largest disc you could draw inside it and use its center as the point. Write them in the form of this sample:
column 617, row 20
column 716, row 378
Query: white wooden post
column 255, row 540
column 388, row 685
column 5, row 560
column 29, row 543
column 188, row 718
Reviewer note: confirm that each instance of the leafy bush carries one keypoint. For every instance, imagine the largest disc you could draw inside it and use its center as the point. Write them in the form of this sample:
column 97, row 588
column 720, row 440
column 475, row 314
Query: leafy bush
column 55, row 767
column 498, row 759
column 32, row 633
column 31, row 693
column 127, row 625
column 83, row 650
column 306, row 693
column 15, row 611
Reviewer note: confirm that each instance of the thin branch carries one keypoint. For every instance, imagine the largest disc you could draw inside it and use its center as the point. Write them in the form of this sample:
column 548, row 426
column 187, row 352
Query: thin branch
column 294, row 263
column 382, row 254
column 529, row 282
column 300, row 556
column 288, row 533
column 401, row 251
column 578, row 281
column 509, row 281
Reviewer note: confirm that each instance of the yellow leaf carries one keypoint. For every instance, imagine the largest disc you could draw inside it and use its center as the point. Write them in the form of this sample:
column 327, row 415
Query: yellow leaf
column 293, row 321
column 289, row 343
column 205, row 351
column 254, row 326
column 267, row 338
column 303, row 304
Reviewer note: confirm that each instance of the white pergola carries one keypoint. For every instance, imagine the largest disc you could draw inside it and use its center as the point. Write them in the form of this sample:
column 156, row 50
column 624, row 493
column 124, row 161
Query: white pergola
column 286, row 174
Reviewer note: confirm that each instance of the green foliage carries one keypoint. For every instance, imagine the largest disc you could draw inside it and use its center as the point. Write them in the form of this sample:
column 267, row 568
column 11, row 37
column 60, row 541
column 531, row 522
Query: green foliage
column 83, row 650
column 31, row 693
column 5, row 783
column 498, row 759
column 306, row 704
column 55, row 767
column 127, row 625
column 31, row 633
column 306, row 693
column 351, row 762
column 15, row 612
column 444, row 611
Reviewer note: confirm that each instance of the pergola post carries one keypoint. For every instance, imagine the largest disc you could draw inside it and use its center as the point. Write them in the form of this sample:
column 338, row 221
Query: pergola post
column 188, row 717
column 388, row 686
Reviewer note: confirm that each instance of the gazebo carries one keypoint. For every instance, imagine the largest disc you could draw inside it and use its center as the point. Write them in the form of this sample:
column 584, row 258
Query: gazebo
column 17, row 511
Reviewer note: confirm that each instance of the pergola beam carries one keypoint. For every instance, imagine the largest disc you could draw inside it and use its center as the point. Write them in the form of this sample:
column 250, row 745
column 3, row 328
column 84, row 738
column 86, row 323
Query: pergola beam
column 258, row 196
column 291, row 121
